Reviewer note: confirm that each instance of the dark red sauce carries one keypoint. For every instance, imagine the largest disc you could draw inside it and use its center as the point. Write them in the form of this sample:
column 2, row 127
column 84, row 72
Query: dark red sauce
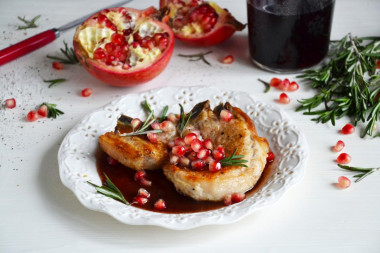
column 123, row 178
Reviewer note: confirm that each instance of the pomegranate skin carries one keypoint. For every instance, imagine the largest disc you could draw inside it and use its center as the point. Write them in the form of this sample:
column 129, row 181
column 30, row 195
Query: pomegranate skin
column 120, row 77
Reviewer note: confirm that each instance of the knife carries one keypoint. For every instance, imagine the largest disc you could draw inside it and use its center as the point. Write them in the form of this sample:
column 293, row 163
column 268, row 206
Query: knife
column 33, row 43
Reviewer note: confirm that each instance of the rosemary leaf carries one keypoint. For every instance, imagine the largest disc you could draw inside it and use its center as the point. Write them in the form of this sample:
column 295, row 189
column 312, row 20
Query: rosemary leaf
column 146, row 106
column 110, row 190
column 267, row 86
column 55, row 81
column 28, row 24
column 234, row 160
column 197, row 57
column 164, row 112
column 53, row 112
column 364, row 171
column 184, row 120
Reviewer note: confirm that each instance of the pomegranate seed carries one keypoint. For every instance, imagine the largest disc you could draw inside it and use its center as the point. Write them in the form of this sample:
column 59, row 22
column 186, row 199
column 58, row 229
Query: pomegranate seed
column 227, row 200
column 270, row 157
column 160, row 204
column 237, row 197
column 172, row 118
column 196, row 145
column 184, row 161
column 214, row 166
column 197, row 133
column 122, row 11
column 284, row 99
column 162, row 43
column 109, row 47
column 32, row 116
column 343, row 182
column 203, row 153
column 144, row 182
column 218, row 153
column 179, row 142
column 192, row 156
column 143, row 193
column 284, row 85
column 139, row 175
column 155, row 126
column 174, row 159
column 136, row 123
column 102, row 18
column 117, row 39
column 171, row 144
column 274, row 82
column 58, row 65
column 208, row 144
column 10, row 103
column 135, row 44
column 198, row 164
column 293, row 86
column 167, row 126
column 152, row 137
column 99, row 54
column 111, row 161
column 227, row 59
column 189, row 138
column 378, row 64
column 140, row 200
column 338, row 146
column 348, row 129
column 343, row 158
column 43, row 111
column 179, row 150
column 226, row 115
column 209, row 160
column 127, row 32
column 86, row 92
column 110, row 25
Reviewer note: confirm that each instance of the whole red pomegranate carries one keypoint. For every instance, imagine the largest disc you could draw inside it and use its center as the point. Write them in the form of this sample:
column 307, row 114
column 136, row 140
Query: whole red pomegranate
column 199, row 23
column 123, row 46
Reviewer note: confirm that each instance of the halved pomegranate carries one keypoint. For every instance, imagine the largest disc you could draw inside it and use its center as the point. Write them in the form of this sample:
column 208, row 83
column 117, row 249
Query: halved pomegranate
column 123, row 46
column 199, row 23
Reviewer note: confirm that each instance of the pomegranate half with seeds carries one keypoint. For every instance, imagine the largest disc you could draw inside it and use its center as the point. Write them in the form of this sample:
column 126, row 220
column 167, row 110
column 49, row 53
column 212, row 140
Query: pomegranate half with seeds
column 123, row 46
column 199, row 23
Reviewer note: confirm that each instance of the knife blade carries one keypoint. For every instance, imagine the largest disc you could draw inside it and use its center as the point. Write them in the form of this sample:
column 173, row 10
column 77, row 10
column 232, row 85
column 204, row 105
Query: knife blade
column 39, row 40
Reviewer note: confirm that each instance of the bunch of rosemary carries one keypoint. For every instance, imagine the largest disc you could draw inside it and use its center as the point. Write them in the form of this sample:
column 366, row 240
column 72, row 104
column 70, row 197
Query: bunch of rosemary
column 348, row 84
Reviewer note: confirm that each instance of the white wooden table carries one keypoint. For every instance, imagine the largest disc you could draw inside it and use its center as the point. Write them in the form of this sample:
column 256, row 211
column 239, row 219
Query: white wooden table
column 38, row 214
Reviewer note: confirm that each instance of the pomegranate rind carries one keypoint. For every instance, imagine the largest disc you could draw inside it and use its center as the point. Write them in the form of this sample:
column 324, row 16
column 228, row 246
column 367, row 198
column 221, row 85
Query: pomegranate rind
column 121, row 77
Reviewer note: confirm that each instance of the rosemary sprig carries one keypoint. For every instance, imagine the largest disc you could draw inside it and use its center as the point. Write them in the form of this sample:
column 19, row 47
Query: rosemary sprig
column 110, row 190
column 28, row 24
column 146, row 106
column 144, row 128
column 69, row 55
column 348, row 84
column 234, row 160
column 364, row 172
column 53, row 112
column 197, row 57
column 55, row 81
column 183, row 120
column 163, row 114
column 267, row 86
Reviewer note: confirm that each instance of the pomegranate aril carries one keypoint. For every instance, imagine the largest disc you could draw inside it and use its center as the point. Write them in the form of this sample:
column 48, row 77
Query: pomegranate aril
column 226, row 115
column 284, row 99
column 117, row 38
column 348, row 129
column 143, row 193
column 155, row 126
column 140, row 200
column 237, row 197
column 192, row 156
column 99, row 54
column 227, row 59
column 139, row 175
column 136, row 123
column 58, row 65
column 189, row 138
column 135, row 44
column 127, row 32
column 214, row 166
column 209, row 160
column 198, row 164
column 122, row 11
column 179, row 150
column 203, row 153
column 184, row 161
column 171, row 144
column 227, row 200
column 179, row 142
column 144, row 182
column 43, row 111
column 338, row 146
column 174, row 159
column 110, row 25
column 343, row 182
column 167, row 126
column 172, row 117
column 274, row 82
column 196, row 145
column 343, row 158
column 284, row 85
column 111, row 161
column 270, row 157
column 160, row 204
column 162, row 43
column 293, row 86
column 86, row 92
column 152, row 137
column 32, row 116
column 208, row 144
column 10, row 103
column 197, row 133
column 109, row 47
column 102, row 18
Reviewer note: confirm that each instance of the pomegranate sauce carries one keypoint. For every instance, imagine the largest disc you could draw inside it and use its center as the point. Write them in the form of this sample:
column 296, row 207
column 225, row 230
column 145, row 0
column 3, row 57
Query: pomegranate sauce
column 289, row 35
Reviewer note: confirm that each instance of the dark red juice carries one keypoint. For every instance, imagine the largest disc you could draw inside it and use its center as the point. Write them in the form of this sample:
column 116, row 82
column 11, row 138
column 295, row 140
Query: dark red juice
column 289, row 35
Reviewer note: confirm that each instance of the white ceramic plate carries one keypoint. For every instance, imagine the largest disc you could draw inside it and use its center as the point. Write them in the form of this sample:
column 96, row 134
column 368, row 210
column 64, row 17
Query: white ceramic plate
column 77, row 160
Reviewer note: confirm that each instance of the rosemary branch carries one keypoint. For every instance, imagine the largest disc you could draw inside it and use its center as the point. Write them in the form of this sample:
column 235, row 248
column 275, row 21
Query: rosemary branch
column 28, row 23
column 197, row 57
column 234, row 160
column 110, row 190
column 69, row 56
column 184, row 120
column 364, row 172
column 55, row 81
column 144, row 128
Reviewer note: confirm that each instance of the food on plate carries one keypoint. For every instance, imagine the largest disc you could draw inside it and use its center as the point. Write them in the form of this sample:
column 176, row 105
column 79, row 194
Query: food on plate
column 198, row 22
column 208, row 155
column 124, row 46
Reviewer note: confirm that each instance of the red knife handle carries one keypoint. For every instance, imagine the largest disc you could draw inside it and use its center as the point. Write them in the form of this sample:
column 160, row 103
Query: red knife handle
column 26, row 46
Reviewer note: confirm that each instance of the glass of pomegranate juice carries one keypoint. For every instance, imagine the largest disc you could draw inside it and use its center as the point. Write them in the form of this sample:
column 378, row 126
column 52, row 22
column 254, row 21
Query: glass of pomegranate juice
column 289, row 35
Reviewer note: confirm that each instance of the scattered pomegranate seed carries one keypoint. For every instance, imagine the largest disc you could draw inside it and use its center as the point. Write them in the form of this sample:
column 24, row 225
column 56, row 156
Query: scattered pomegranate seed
column 140, row 200
column 348, row 129
column 284, row 99
column 208, row 144
column 160, row 204
column 192, row 156
column 217, row 155
column 197, row 133
column 155, row 126
column 136, row 123
column 143, row 193
column 227, row 59
column 10, row 103
column 274, row 82
column 293, row 86
column 227, row 200
column 32, row 116
column 174, row 159
column 338, row 146
column 378, row 64
column 209, row 160
column 167, row 126
column 226, row 115
column 152, row 137
column 284, row 85
column 270, row 157
column 203, row 153
column 111, row 161
column 237, row 197
column 43, row 111
column 145, row 182
column 172, row 117
column 184, row 161
column 198, row 164
column 86, row 92
column 179, row 142
column 343, row 182
column 139, row 175
column 58, row 65
column 214, row 166
column 179, row 150
column 189, row 138
column 196, row 145
column 343, row 158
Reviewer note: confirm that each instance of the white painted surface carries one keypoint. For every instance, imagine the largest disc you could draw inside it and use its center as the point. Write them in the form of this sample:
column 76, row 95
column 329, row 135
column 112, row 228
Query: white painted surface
column 39, row 214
